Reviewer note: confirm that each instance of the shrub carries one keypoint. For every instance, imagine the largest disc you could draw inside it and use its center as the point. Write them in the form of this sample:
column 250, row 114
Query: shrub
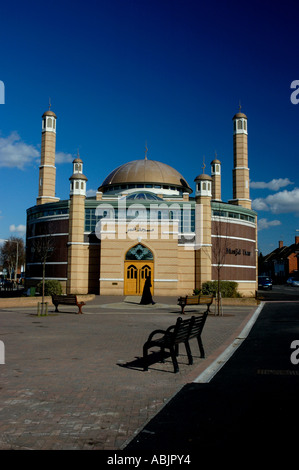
column 227, row 288
column 52, row 287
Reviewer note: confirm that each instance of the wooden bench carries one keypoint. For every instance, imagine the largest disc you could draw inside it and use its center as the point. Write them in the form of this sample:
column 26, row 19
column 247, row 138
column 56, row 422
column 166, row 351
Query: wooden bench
column 181, row 332
column 195, row 300
column 196, row 330
column 67, row 299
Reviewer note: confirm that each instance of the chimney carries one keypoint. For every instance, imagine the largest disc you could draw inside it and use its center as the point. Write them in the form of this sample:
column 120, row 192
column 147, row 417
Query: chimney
column 297, row 239
column 280, row 244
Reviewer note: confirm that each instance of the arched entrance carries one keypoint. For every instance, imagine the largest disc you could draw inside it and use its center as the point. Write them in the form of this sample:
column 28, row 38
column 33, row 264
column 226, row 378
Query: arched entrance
column 139, row 264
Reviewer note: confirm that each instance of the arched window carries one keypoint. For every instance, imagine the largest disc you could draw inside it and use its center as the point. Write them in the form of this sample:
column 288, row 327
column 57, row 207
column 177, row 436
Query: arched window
column 131, row 272
column 49, row 122
column 240, row 124
column 139, row 252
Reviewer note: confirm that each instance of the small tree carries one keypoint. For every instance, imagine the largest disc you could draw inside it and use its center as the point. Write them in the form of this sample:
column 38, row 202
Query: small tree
column 12, row 255
column 43, row 248
column 219, row 251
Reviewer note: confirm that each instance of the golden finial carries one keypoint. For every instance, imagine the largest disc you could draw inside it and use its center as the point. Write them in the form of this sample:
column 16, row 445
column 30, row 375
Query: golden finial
column 49, row 104
column 146, row 150
column 240, row 106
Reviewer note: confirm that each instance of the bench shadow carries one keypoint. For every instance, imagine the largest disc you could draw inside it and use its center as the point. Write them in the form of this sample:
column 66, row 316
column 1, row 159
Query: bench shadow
column 154, row 357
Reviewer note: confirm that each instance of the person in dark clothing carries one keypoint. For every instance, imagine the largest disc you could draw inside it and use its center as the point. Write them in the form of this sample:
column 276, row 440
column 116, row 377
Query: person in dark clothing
column 146, row 294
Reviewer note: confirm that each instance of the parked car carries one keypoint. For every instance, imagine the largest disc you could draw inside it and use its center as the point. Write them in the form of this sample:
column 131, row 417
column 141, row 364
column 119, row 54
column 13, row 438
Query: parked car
column 290, row 281
column 295, row 283
column 264, row 282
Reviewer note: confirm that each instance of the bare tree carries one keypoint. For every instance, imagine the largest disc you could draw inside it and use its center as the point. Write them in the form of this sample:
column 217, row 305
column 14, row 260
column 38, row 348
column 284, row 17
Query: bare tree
column 43, row 249
column 12, row 255
column 220, row 245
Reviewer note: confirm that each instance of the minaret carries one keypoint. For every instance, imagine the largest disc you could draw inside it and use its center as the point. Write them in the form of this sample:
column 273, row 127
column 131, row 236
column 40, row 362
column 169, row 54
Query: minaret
column 47, row 169
column 203, row 255
column 77, row 277
column 241, row 170
column 216, row 179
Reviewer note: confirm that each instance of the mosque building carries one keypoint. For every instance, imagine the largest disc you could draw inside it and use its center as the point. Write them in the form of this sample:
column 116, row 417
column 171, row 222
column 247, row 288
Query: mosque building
column 143, row 221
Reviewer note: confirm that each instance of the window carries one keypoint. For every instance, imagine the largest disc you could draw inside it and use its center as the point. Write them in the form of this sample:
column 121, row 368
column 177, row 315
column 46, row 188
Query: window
column 139, row 252
column 131, row 272
column 240, row 125
column 49, row 122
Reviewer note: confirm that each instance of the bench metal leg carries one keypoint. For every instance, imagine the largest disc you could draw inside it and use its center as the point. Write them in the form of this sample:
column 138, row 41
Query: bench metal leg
column 202, row 352
column 189, row 354
column 174, row 360
column 80, row 308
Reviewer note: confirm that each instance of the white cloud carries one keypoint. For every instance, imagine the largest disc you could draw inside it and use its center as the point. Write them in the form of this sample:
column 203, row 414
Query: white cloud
column 282, row 202
column 14, row 153
column 273, row 185
column 20, row 229
column 61, row 157
column 91, row 192
column 259, row 204
column 265, row 223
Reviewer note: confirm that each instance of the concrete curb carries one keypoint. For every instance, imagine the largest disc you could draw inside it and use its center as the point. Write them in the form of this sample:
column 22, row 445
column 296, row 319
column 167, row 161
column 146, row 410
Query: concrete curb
column 207, row 375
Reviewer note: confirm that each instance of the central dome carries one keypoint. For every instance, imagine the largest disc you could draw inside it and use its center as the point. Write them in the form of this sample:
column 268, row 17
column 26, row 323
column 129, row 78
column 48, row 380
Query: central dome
column 145, row 172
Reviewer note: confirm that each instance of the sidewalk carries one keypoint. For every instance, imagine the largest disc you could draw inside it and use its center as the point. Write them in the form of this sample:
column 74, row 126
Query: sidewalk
column 74, row 381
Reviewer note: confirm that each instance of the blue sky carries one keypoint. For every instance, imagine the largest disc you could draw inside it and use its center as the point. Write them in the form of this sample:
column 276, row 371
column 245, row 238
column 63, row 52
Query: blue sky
column 170, row 73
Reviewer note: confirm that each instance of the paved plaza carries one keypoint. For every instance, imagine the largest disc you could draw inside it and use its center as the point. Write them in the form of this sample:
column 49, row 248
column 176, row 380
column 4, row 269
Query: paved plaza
column 76, row 381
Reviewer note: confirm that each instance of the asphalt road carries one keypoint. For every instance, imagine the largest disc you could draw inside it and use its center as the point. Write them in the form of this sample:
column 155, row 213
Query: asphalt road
column 249, row 408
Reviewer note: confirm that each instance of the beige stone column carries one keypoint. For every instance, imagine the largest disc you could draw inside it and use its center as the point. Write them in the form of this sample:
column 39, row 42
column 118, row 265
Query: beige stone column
column 47, row 169
column 78, row 265
column 203, row 255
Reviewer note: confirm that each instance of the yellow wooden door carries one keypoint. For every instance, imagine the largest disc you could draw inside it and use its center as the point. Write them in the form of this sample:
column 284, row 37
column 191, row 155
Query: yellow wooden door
column 136, row 273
